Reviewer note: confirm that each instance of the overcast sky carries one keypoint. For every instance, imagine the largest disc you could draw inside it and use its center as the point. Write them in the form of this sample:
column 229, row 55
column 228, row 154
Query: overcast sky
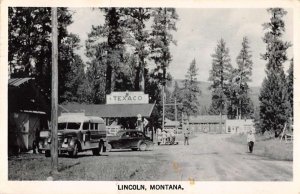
column 197, row 35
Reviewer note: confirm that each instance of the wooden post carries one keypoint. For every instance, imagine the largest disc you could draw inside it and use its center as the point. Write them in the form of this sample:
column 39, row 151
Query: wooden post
column 163, row 119
column 54, row 93
column 176, row 127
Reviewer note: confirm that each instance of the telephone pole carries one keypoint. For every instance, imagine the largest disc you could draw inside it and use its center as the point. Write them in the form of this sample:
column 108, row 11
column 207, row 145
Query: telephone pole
column 54, row 93
column 175, row 107
column 163, row 102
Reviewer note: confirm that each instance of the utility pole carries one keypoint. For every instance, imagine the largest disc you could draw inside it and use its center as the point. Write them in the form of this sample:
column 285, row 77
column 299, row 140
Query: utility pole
column 163, row 96
column 175, row 106
column 54, row 93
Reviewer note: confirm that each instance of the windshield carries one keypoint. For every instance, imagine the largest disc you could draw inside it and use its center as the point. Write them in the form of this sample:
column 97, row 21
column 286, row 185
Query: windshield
column 72, row 125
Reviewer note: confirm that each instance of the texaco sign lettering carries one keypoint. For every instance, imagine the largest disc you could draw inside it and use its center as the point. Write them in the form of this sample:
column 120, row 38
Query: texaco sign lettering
column 127, row 98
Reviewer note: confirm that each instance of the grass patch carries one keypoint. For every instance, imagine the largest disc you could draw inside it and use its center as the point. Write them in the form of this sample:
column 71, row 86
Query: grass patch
column 86, row 167
column 267, row 146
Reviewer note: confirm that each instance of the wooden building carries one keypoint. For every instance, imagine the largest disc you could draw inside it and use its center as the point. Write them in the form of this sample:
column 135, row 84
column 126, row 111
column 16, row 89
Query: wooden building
column 27, row 110
column 207, row 123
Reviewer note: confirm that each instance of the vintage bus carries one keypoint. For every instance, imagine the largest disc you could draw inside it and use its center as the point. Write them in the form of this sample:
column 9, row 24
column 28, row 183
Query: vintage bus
column 77, row 132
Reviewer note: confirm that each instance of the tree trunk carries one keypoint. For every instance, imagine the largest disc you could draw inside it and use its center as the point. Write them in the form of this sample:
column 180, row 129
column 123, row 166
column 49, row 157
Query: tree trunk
column 108, row 79
column 137, row 78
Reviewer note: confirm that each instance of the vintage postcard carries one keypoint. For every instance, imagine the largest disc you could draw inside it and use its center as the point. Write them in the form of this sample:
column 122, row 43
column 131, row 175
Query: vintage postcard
column 149, row 97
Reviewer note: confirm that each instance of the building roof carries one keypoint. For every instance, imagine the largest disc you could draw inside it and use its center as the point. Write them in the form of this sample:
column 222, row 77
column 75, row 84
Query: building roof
column 207, row 119
column 109, row 110
column 16, row 82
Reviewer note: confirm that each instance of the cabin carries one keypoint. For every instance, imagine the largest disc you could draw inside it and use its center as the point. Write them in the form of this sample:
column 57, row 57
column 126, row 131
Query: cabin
column 239, row 126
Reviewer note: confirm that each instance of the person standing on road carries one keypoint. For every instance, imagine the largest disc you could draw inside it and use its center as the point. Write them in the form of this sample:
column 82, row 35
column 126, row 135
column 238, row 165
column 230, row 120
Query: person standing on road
column 251, row 140
column 186, row 132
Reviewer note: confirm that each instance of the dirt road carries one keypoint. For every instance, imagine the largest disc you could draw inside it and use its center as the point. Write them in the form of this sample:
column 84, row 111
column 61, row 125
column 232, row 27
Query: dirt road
column 211, row 157
column 208, row 158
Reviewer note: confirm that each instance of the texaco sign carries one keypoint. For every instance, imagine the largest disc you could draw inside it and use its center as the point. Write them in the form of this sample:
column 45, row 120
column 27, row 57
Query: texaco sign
column 127, row 98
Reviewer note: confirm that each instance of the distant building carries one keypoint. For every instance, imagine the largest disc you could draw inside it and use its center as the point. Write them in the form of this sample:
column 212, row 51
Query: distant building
column 169, row 124
column 207, row 123
column 239, row 126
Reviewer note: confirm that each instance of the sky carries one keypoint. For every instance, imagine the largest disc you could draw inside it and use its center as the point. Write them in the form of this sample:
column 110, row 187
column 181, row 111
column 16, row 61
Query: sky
column 198, row 31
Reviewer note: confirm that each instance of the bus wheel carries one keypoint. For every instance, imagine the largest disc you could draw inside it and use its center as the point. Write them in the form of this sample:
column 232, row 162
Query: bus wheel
column 98, row 151
column 47, row 153
column 74, row 152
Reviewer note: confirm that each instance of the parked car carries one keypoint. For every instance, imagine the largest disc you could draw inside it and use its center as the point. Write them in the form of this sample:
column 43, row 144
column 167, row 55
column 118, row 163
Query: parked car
column 77, row 133
column 131, row 139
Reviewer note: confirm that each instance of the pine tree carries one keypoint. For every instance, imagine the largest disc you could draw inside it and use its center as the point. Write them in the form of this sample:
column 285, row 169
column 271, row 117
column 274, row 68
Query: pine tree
column 138, row 38
column 164, row 22
column 274, row 104
column 190, row 91
column 220, row 76
column 274, row 107
column 107, row 42
column 241, row 76
column 29, row 46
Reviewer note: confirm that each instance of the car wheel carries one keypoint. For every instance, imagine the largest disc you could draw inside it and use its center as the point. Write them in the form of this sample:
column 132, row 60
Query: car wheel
column 142, row 146
column 150, row 147
column 74, row 152
column 108, row 148
column 47, row 153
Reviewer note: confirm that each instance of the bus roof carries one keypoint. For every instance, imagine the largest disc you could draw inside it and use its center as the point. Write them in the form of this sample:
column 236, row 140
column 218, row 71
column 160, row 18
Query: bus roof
column 79, row 117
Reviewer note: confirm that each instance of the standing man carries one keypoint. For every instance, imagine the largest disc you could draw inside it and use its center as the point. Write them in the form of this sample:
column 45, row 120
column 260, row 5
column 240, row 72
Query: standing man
column 251, row 139
column 186, row 132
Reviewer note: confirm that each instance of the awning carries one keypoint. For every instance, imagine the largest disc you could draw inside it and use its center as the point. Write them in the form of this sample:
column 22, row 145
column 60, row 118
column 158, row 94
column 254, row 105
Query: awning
column 15, row 82
column 109, row 110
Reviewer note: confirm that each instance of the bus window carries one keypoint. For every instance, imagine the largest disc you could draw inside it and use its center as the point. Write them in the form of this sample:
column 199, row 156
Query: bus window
column 96, row 126
column 85, row 126
column 73, row 125
column 62, row 126
column 91, row 126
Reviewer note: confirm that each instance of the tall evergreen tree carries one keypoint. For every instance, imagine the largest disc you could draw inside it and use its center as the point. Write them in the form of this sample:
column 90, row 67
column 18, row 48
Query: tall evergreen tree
column 274, row 104
column 107, row 42
column 190, row 91
column 274, row 107
column 241, row 76
column 220, row 76
column 29, row 46
column 176, row 92
column 138, row 37
column 164, row 22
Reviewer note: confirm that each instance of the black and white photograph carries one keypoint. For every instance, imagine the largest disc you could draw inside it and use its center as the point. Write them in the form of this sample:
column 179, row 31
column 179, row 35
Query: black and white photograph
column 129, row 94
